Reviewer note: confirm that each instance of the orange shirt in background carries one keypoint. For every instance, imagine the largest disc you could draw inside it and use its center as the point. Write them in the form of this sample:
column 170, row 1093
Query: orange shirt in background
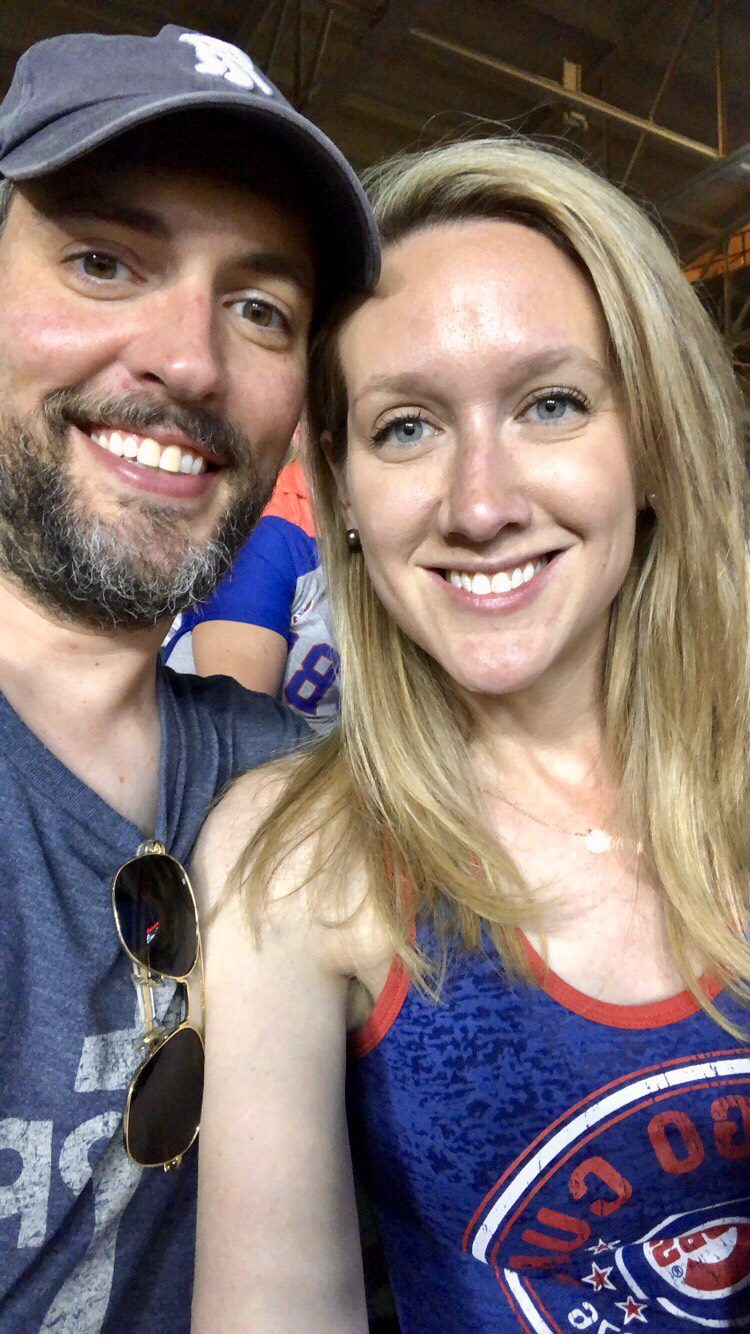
column 290, row 500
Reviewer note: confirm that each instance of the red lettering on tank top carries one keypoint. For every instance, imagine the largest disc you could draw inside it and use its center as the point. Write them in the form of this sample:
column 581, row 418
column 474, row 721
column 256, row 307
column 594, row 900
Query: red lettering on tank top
column 673, row 1161
column 609, row 1176
column 577, row 1230
column 665, row 1252
column 732, row 1133
column 669, row 1251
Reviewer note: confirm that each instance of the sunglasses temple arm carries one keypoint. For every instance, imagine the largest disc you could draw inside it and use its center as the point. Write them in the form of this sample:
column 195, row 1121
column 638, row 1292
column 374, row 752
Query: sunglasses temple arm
column 196, row 991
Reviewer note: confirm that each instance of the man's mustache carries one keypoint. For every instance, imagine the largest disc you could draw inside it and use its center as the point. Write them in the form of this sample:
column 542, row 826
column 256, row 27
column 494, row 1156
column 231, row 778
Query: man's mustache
column 137, row 412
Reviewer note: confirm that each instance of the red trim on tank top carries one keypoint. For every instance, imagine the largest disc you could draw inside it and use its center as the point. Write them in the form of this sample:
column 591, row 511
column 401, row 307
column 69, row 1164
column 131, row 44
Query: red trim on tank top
column 388, row 1006
column 652, row 1015
column 385, row 1012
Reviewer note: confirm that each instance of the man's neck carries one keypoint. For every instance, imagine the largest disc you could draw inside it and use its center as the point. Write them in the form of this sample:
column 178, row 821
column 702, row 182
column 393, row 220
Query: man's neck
column 89, row 696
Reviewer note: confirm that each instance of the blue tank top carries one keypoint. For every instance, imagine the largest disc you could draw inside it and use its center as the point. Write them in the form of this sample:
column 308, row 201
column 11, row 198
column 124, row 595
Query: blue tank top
column 545, row 1162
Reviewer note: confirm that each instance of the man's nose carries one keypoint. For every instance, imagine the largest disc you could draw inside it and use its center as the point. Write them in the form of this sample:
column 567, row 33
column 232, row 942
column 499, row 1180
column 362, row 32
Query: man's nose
column 178, row 344
column 486, row 490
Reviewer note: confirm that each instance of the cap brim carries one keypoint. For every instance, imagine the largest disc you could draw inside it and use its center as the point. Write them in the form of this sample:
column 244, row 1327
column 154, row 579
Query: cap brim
column 340, row 201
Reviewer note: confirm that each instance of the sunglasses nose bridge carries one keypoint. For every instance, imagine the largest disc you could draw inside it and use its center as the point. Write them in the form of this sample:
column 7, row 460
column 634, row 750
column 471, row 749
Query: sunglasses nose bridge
column 147, row 984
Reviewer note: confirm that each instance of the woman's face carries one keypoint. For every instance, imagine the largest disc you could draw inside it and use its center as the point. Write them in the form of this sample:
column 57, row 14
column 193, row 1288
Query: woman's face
column 488, row 468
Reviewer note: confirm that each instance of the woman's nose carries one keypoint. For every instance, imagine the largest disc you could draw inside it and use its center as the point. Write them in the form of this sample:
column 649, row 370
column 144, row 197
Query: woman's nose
column 485, row 492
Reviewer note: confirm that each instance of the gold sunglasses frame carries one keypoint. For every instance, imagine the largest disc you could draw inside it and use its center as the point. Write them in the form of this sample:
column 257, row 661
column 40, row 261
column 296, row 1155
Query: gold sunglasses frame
column 155, row 1037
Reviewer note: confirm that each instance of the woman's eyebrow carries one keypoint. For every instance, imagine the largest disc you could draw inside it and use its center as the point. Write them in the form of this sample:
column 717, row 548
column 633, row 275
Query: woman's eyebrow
column 551, row 359
column 400, row 383
column 518, row 370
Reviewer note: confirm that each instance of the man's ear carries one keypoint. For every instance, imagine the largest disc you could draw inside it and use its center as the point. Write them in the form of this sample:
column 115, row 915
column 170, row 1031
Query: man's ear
column 339, row 474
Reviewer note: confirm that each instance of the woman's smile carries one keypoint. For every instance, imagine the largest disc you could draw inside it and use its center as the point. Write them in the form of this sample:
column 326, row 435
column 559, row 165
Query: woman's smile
column 499, row 587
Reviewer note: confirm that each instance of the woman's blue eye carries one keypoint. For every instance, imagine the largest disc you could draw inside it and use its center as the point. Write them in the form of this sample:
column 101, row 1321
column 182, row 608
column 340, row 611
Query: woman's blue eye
column 554, row 407
column 403, row 430
column 409, row 431
column 551, row 409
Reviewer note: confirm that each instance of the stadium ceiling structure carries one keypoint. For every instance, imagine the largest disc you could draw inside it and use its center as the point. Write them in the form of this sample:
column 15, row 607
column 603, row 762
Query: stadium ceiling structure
column 654, row 93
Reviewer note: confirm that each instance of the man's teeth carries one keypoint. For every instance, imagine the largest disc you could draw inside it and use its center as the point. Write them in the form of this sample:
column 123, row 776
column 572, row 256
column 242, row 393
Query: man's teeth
column 170, row 458
column 503, row 581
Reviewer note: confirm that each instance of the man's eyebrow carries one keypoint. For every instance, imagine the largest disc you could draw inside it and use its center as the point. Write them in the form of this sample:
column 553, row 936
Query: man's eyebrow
column 92, row 204
column 271, row 264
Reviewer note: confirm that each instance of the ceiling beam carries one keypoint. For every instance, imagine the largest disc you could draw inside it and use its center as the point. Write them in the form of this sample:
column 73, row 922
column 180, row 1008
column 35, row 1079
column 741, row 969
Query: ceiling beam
column 593, row 105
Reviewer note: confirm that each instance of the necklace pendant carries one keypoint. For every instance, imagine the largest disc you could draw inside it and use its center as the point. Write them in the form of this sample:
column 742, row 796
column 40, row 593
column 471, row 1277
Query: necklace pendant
column 597, row 841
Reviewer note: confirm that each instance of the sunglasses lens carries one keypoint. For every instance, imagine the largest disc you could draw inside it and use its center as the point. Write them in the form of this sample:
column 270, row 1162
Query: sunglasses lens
column 156, row 914
column 165, row 1101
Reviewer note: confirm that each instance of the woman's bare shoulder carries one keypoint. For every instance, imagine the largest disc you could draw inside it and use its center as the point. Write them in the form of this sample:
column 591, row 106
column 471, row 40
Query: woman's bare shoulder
column 301, row 888
column 314, row 889
column 234, row 820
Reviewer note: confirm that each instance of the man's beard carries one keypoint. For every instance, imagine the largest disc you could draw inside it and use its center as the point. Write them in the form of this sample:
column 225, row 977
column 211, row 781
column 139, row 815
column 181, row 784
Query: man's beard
column 140, row 568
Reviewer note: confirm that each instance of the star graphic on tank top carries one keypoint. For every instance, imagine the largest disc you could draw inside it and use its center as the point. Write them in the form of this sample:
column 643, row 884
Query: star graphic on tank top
column 602, row 1246
column 599, row 1278
column 633, row 1310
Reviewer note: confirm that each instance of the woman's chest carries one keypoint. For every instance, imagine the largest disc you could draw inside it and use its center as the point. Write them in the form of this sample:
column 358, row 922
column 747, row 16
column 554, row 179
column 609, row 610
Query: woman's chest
column 605, row 924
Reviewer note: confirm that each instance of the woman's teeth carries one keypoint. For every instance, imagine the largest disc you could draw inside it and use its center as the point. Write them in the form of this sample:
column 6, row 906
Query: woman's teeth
column 170, row 458
column 503, row 581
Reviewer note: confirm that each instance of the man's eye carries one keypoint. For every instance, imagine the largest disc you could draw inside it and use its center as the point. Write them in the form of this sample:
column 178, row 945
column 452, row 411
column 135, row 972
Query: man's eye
column 105, row 268
column 261, row 313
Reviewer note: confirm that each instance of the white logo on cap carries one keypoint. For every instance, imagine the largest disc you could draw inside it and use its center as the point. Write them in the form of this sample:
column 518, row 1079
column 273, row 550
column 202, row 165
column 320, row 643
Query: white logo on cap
column 226, row 61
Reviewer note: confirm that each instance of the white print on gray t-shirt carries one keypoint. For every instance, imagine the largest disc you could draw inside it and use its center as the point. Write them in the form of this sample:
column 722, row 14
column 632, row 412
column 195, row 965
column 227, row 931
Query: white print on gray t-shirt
column 108, row 1062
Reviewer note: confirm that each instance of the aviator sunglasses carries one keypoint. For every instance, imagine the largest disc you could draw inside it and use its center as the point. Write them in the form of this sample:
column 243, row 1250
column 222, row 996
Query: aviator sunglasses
column 157, row 922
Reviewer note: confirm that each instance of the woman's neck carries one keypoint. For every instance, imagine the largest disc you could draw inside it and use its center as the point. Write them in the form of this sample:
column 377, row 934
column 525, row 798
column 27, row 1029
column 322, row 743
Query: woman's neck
column 555, row 727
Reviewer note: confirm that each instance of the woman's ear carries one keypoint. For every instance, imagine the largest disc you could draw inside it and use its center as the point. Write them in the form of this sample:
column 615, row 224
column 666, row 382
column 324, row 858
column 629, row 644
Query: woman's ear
column 338, row 468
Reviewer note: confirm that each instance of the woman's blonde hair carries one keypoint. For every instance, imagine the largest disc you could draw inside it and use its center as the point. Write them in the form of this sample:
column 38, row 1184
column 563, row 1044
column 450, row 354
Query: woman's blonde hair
column 393, row 786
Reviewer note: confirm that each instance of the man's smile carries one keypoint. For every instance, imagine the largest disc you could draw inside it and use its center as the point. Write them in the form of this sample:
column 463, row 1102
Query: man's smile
column 170, row 455
column 163, row 462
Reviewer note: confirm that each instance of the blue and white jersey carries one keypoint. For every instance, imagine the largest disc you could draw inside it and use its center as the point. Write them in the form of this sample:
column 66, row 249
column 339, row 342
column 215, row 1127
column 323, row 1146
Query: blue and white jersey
column 276, row 583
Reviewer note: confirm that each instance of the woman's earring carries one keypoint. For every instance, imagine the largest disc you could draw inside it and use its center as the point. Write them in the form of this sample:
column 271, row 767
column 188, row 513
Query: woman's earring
column 352, row 539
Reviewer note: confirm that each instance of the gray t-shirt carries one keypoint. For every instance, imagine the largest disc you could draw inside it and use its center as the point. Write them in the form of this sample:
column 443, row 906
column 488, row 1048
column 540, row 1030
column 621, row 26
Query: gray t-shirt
column 88, row 1242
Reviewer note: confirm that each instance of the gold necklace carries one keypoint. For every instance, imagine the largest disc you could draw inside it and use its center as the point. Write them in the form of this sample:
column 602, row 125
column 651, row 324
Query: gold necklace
column 595, row 840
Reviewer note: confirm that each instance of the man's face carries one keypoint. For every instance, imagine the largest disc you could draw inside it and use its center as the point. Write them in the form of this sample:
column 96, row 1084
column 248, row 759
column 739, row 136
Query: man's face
column 153, row 335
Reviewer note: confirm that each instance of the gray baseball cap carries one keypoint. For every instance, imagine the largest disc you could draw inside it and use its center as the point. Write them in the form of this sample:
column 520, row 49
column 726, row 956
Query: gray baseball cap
column 71, row 94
